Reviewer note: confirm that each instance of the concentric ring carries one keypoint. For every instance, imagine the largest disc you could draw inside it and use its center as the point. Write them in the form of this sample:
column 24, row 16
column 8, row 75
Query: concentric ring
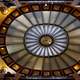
column 28, row 19
column 46, row 40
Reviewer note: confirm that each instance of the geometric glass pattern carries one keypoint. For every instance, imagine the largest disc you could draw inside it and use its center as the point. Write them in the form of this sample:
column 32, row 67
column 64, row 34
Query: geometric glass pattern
column 46, row 40
column 42, row 40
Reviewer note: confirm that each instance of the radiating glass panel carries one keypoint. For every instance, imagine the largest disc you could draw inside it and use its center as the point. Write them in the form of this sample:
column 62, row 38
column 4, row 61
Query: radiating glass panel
column 18, row 55
column 31, row 63
column 14, row 32
column 46, row 65
column 31, row 18
column 53, row 16
column 14, row 48
column 11, row 40
column 69, row 60
column 39, row 17
column 24, row 21
column 73, row 54
column 67, row 20
column 74, row 48
column 74, row 41
column 53, row 64
column 25, row 60
column 74, row 26
column 75, row 33
column 60, row 18
column 46, row 16
column 60, row 61
column 39, row 64
column 19, row 26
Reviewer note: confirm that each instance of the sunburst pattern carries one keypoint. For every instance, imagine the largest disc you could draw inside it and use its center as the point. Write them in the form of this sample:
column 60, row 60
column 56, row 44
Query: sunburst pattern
column 43, row 40
column 23, row 36
column 46, row 40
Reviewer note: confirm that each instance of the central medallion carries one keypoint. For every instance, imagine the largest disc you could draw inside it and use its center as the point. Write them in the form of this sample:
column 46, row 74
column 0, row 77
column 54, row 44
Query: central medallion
column 46, row 40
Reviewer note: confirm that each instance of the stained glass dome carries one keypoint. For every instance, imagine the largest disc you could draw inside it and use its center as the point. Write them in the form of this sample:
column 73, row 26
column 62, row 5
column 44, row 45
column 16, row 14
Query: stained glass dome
column 39, row 40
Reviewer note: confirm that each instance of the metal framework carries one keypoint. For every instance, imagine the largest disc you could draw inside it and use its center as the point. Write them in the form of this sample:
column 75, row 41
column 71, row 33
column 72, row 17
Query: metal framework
column 14, row 29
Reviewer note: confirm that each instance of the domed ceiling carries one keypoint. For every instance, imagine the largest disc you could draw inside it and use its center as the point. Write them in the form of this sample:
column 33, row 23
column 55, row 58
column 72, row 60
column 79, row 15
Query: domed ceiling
column 42, row 40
